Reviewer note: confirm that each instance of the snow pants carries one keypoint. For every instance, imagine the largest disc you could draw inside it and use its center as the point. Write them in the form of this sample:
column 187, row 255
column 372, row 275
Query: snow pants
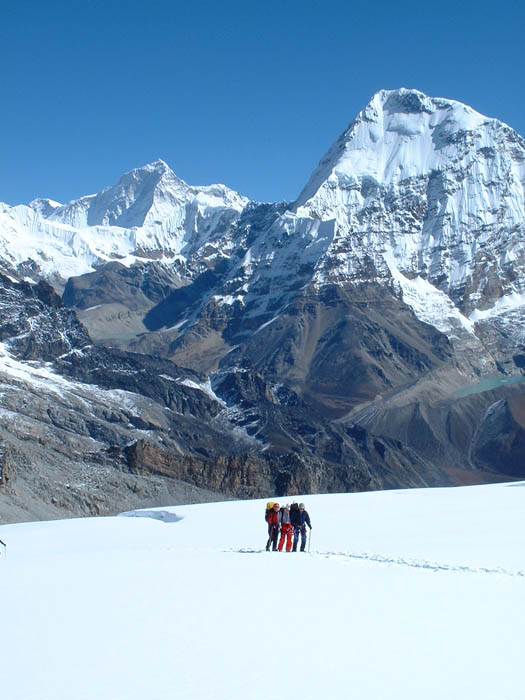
column 286, row 534
column 299, row 530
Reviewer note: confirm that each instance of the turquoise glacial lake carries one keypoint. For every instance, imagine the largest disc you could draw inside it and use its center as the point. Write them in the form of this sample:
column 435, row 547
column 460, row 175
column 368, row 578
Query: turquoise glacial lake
column 487, row 384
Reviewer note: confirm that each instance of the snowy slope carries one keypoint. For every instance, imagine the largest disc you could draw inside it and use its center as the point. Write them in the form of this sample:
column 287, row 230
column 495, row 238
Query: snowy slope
column 404, row 594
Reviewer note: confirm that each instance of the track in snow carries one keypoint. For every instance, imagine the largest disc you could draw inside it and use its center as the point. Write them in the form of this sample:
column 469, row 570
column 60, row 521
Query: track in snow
column 396, row 561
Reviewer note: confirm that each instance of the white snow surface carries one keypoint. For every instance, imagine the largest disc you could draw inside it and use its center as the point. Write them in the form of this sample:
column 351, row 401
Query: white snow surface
column 429, row 303
column 403, row 594
column 506, row 303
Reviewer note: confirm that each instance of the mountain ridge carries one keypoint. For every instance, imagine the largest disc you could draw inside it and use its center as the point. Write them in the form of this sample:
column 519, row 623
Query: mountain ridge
column 334, row 332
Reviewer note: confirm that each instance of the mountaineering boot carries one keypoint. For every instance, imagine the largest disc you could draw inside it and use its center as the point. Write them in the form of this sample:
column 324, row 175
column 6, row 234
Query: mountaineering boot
column 294, row 548
column 303, row 545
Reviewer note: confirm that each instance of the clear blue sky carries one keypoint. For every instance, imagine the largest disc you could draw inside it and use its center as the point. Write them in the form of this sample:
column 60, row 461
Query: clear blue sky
column 250, row 93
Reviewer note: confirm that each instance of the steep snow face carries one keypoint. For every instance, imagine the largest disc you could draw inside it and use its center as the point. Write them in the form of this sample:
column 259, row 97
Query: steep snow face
column 150, row 212
column 136, row 198
column 37, row 247
column 400, row 134
column 432, row 183
column 166, row 212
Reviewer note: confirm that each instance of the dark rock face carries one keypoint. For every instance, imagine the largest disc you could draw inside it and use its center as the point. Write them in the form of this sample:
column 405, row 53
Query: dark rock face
column 95, row 429
column 138, row 287
column 499, row 443
column 246, row 475
column 478, row 433
column 285, row 412
column 340, row 347
column 174, row 306
column 35, row 323
column 347, row 456
column 152, row 377
column 98, row 429
column 115, row 300
column 5, row 468
column 66, row 423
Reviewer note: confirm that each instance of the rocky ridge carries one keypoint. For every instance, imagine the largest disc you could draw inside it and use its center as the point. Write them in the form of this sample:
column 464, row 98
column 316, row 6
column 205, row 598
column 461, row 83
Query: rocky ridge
column 89, row 429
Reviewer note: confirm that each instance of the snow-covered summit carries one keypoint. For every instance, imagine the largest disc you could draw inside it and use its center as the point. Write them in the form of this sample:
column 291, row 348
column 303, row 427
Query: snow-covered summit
column 146, row 196
column 127, row 203
column 149, row 212
column 44, row 206
column 431, row 185
column 399, row 134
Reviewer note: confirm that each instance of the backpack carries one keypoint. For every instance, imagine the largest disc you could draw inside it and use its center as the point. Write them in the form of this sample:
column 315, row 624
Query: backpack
column 269, row 508
column 294, row 514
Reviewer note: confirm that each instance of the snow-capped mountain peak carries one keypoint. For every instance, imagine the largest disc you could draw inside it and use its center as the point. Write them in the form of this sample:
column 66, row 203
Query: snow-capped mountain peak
column 416, row 189
column 43, row 206
column 431, row 184
column 149, row 212
column 128, row 202
column 151, row 198
column 399, row 134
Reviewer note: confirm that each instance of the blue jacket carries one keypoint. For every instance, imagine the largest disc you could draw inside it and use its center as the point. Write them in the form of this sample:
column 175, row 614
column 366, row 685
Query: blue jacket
column 299, row 517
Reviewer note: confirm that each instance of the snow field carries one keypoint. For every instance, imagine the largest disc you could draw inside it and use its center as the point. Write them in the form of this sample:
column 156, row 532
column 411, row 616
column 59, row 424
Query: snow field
column 405, row 594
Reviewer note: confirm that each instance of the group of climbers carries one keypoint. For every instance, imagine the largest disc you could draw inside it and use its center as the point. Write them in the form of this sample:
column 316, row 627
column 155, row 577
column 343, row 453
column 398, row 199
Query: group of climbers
column 290, row 521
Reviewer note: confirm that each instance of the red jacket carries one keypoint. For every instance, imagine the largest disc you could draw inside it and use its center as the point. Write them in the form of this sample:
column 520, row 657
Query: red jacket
column 273, row 517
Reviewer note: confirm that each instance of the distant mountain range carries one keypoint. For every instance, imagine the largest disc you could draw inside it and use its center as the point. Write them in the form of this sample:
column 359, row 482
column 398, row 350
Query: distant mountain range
column 367, row 335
